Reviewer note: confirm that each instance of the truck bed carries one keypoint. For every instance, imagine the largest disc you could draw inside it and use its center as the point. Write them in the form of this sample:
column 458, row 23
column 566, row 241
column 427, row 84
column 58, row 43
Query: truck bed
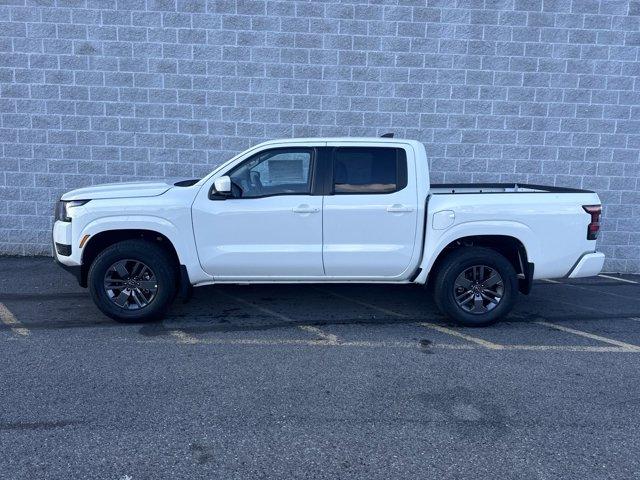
column 462, row 188
column 550, row 222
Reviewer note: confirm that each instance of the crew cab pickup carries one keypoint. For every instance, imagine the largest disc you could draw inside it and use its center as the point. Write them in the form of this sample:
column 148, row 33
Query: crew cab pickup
column 325, row 210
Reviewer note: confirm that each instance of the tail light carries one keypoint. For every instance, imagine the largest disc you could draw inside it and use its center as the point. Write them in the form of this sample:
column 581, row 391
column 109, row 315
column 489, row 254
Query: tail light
column 594, row 226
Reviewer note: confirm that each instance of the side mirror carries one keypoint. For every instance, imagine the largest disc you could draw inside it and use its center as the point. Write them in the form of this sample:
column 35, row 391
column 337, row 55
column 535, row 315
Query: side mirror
column 222, row 185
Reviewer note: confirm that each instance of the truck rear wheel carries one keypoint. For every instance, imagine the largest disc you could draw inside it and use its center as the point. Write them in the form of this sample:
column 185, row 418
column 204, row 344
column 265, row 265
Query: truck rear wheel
column 475, row 286
column 133, row 281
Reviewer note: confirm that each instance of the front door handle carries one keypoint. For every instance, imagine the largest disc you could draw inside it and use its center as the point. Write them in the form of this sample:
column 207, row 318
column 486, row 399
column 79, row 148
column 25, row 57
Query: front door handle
column 398, row 208
column 305, row 209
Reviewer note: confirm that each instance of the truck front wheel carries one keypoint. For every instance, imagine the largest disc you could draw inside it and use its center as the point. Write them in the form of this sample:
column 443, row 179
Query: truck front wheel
column 475, row 286
column 132, row 281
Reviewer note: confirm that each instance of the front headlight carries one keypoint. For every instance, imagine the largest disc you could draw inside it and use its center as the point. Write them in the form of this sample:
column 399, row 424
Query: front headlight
column 62, row 209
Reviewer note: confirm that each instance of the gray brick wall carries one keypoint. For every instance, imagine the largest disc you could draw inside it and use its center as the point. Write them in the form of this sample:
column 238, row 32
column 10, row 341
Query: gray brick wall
column 542, row 91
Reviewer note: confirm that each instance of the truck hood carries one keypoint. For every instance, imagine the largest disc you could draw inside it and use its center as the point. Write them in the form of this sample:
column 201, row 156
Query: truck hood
column 119, row 190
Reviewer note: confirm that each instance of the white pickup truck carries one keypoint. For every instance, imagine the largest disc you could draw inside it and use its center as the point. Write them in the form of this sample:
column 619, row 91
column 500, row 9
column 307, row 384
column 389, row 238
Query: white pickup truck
column 323, row 210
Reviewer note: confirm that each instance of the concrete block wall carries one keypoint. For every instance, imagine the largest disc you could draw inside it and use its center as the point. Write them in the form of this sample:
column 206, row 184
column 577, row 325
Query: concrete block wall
column 540, row 91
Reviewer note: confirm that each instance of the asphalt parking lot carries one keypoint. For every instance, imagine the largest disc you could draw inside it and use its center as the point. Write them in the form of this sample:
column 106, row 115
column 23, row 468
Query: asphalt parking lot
column 301, row 381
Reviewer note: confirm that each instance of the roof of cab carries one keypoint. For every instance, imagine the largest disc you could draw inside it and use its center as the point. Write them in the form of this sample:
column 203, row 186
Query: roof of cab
column 318, row 140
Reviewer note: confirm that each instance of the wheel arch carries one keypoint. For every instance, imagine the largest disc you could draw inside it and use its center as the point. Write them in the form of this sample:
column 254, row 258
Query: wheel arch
column 511, row 247
column 105, row 238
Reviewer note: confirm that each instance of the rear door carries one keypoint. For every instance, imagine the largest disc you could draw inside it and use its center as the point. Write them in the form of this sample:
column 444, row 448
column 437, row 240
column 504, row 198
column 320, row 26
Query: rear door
column 370, row 215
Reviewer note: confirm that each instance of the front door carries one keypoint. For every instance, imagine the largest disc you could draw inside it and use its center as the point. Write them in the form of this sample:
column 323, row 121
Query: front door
column 370, row 217
column 271, row 227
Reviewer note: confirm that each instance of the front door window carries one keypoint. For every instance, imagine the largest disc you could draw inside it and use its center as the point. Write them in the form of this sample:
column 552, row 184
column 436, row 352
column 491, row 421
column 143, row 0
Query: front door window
column 274, row 172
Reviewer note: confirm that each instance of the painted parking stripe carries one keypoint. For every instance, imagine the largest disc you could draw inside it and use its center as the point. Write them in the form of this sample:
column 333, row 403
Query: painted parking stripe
column 469, row 338
column 318, row 343
column 586, row 288
column 401, row 344
column 258, row 342
column 184, row 337
column 619, row 279
column 330, row 338
column 326, row 337
column 260, row 308
column 439, row 328
column 569, row 348
column 591, row 336
column 12, row 322
column 364, row 304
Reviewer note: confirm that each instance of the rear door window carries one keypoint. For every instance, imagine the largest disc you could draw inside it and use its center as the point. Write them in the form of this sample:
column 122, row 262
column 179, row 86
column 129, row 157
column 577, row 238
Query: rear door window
column 369, row 170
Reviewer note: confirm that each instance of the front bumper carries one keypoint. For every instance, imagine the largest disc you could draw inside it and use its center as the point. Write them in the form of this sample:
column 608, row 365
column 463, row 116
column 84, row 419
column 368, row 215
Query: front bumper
column 590, row 264
column 63, row 243
column 64, row 250
column 75, row 270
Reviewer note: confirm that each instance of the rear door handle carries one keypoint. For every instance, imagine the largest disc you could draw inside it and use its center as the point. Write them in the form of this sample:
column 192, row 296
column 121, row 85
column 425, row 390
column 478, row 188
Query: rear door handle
column 305, row 209
column 398, row 208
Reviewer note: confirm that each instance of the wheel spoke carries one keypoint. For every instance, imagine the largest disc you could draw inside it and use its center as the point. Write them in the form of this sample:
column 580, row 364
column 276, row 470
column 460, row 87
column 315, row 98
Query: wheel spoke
column 464, row 297
column 135, row 294
column 121, row 268
column 492, row 280
column 478, row 304
column 145, row 295
column 494, row 300
column 148, row 284
column 495, row 293
column 121, row 299
column 463, row 282
column 143, row 270
column 135, row 270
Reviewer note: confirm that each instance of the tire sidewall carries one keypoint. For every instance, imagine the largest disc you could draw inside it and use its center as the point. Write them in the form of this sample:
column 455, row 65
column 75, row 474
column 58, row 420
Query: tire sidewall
column 149, row 254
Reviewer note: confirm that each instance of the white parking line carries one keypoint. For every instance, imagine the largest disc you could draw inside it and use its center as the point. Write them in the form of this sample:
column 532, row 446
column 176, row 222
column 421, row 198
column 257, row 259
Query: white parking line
column 260, row 308
column 619, row 279
column 315, row 343
column 330, row 338
column 398, row 344
column 586, row 288
column 11, row 321
column 591, row 336
column 569, row 348
column 469, row 338
column 184, row 337
column 326, row 337
column 364, row 304
column 439, row 328
column 258, row 342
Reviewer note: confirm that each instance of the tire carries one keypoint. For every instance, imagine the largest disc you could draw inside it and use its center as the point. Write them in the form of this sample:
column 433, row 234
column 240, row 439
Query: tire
column 151, row 275
column 461, row 289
